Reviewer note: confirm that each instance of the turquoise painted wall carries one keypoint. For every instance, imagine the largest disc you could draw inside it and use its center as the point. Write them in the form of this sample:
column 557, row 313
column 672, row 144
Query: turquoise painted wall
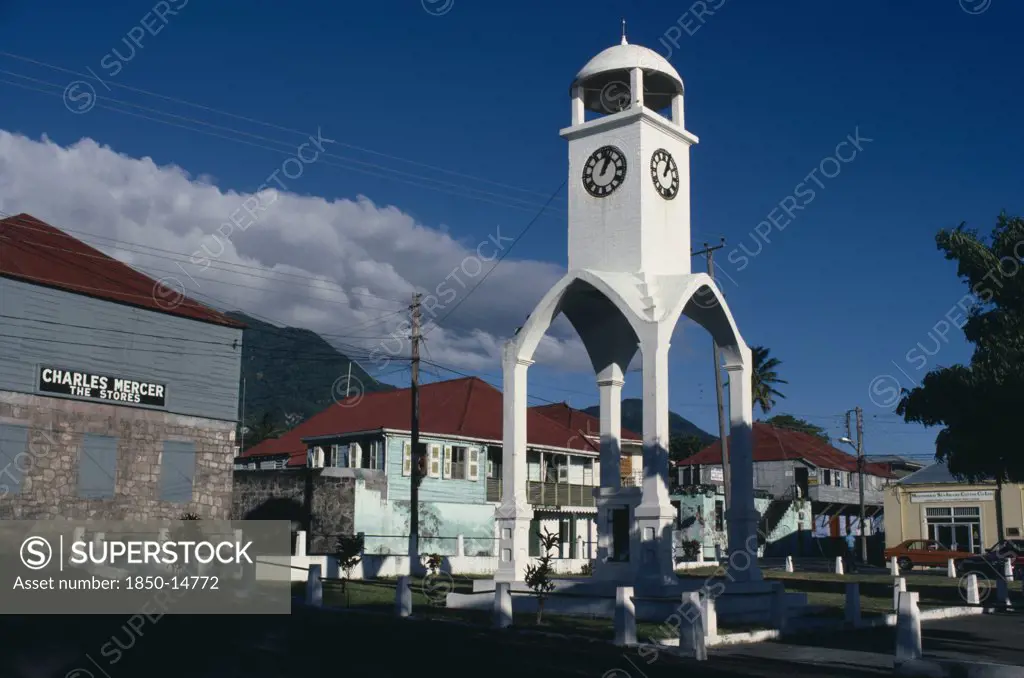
column 445, row 490
column 386, row 522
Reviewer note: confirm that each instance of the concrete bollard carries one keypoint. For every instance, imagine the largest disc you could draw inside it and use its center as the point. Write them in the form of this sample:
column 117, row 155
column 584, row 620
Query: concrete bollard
column 502, row 612
column 899, row 585
column 314, row 587
column 1002, row 593
column 300, row 543
column 625, row 617
column 403, row 597
column 951, row 569
column 710, row 616
column 971, row 589
column 460, row 546
column 692, row 641
column 853, row 604
column 1008, row 570
column 839, row 565
column 78, row 534
column 894, row 567
column 789, row 563
column 700, row 554
column 98, row 538
column 908, row 628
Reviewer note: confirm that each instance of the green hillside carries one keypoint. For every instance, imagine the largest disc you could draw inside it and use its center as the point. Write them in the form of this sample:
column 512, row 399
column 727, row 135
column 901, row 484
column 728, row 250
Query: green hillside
column 633, row 419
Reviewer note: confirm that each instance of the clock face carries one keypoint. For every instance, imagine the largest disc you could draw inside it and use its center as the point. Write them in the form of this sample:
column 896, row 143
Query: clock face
column 604, row 172
column 665, row 174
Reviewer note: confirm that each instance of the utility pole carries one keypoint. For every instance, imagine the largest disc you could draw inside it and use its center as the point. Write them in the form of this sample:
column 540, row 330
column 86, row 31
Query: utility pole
column 416, row 474
column 722, row 436
column 860, row 476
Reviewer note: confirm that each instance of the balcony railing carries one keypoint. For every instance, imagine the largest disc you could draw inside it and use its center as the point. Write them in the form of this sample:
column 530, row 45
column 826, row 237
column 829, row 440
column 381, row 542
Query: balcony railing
column 844, row 495
column 559, row 494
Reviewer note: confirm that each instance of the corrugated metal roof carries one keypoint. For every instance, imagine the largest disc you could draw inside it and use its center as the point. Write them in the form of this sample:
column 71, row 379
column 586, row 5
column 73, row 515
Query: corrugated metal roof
column 36, row 252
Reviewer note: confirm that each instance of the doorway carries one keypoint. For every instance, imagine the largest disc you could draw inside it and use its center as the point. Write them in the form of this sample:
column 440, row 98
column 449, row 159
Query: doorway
column 800, row 475
column 620, row 534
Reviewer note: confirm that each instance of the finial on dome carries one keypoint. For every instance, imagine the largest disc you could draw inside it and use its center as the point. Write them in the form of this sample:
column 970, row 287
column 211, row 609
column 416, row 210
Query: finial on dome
column 624, row 32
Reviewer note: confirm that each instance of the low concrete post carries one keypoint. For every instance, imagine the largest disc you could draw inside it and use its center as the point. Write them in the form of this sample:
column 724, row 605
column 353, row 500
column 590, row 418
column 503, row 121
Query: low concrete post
column 951, row 569
column 460, row 546
column 853, row 603
column 789, row 563
column 692, row 642
column 1008, row 570
column 403, row 597
column 300, row 543
column 839, row 565
column 79, row 534
column 314, row 587
column 98, row 538
column 894, row 567
column 502, row 613
column 625, row 617
column 700, row 554
column 908, row 628
column 1002, row 593
column 710, row 614
column 971, row 589
column 899, row 585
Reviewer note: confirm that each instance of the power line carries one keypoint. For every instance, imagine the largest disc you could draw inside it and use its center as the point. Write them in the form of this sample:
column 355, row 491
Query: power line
column 270, row 125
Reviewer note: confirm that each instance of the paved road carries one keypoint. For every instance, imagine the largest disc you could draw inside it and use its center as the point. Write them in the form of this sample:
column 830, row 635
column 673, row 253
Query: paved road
column 369, row 645
column 995, row 638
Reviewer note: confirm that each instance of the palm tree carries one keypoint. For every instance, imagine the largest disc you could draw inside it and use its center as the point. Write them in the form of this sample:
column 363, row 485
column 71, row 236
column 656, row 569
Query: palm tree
column 764, row 377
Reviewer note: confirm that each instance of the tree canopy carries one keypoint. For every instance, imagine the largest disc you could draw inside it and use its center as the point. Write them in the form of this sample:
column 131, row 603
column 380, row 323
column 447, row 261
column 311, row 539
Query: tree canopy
column 789, row 422
column 979, row 404
column 681, row 447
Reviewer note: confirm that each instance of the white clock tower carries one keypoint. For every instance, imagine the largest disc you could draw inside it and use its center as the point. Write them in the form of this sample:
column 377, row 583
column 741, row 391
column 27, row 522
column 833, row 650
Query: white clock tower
column 628, row 282
column 629, row 165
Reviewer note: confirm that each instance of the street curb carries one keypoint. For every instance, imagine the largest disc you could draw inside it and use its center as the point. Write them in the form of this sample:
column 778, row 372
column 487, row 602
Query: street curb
column 947, row 668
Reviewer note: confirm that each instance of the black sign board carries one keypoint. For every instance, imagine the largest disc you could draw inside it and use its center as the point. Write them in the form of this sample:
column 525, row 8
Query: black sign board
column 101, row 387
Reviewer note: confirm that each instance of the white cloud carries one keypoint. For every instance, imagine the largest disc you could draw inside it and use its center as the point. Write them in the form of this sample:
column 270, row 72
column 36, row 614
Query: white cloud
column 338, row 268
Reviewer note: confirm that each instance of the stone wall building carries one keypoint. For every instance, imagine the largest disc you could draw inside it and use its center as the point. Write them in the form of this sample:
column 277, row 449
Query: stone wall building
column 118, row 394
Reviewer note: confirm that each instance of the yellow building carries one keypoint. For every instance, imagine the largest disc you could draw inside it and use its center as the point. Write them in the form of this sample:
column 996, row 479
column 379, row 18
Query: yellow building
column 932, row 504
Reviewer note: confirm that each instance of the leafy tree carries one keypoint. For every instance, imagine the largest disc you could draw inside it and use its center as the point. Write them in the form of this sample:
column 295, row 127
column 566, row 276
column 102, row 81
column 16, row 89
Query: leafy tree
column 539, row 577
column 979, row 404
column 681, row 447
column 264, row 428
column 348, row 551
column 791, row 423
column 764, row 378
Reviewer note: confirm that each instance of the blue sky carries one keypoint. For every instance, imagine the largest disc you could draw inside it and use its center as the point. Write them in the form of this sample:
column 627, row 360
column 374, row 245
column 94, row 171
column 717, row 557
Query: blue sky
column 840, row 295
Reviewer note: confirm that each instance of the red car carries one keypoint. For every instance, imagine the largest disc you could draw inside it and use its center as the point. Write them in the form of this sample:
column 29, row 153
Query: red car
column 922, row 553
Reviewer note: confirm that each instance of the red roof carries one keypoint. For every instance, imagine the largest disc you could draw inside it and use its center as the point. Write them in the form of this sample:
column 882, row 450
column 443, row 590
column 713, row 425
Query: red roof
column 467, row 408
column 36, row 252
column 579, row 420
column 779, row 444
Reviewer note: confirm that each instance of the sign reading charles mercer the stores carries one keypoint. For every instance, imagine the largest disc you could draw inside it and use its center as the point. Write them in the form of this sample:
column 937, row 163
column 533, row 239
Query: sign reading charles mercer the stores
column 101, row 387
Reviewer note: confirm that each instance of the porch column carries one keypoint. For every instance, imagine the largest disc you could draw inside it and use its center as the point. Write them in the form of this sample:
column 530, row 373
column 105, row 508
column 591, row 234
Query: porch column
column 741, row 515
column 655, row 514
column 609, row 383
column 514, row 514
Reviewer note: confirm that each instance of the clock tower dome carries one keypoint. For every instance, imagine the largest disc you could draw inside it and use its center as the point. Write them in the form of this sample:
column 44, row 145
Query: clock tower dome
column 629, row 165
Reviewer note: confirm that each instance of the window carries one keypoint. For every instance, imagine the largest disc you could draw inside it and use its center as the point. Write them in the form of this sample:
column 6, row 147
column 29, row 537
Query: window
column 455, row 462
column 588, row 473
column 13, row 443
column 490, row 468
column 826, row 478
column 339, row 456
column 473, row 464
column 434, row 469
column 406, row 458
column 838, row 478
column 178, row 471
column 376, row 455
column 691, row 474
column 97, row 466
column 719, row 516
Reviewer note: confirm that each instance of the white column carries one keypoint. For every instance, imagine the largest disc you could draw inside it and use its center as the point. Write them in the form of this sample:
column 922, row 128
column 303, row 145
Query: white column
column 741, row 516
column 677, row 109
column 609, row 383
column 577, row 106
column 625, row 617
column 636, row 87
column 655, row 514
column 514, row 514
